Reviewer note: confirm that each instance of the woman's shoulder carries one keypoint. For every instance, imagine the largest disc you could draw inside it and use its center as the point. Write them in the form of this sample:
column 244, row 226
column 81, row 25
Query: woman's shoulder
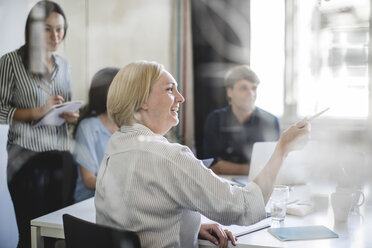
column 12, row 62
column 88, row 125
column 265, row 114
column 61, row 60
column 12, row 56
column 89, row 122
column 142, row 139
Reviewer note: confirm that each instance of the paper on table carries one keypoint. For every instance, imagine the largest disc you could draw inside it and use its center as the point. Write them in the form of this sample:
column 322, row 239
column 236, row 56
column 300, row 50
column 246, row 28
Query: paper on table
column 236, row 230
column 242, row 230
column 52, row 116
column 300, row 202
column 300, row 208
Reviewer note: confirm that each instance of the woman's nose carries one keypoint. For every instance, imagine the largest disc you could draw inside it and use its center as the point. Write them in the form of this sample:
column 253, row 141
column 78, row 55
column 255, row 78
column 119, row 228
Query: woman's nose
column 180, row 97
column 54, row 35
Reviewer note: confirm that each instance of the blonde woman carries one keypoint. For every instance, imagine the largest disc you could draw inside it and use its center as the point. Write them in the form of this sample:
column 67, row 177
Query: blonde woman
column 159, row 189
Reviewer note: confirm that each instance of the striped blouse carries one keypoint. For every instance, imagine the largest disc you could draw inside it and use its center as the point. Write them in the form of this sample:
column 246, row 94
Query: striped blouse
column 157, row 189
column 19, row 89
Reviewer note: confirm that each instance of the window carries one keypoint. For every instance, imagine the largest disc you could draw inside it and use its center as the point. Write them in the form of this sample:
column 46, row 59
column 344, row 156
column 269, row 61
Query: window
column 267, row 53
column 331, row 56
column 311, row 55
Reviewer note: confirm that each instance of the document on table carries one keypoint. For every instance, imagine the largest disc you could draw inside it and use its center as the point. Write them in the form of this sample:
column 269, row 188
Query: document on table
column 52, row 116
column 242, row 230
column 238, row 231
column 210, row 245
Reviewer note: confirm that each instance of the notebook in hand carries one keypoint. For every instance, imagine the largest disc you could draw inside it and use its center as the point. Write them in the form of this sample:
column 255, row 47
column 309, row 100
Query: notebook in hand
column 52, row 116
column 302, row 233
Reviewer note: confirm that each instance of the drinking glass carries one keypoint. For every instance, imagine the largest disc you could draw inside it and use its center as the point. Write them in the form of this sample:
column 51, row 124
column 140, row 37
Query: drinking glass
column 278, row 202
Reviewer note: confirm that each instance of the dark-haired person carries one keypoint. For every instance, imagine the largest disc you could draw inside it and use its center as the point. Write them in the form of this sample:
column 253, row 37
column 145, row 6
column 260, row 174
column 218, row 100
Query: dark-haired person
column 93, row 131
column 230, row 132
column 32, row 79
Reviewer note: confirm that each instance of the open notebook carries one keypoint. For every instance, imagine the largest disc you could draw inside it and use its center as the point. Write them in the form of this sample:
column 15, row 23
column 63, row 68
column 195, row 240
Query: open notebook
column 238, row 231
column 52, row 116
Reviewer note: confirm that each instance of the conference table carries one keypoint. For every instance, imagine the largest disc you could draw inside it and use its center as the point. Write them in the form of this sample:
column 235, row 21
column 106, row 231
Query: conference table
column 352, row 233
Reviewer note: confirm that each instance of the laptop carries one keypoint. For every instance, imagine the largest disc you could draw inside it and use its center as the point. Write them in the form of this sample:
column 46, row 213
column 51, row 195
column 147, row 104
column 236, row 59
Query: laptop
column 294, row 171
column 295, row 168
column 207, row 162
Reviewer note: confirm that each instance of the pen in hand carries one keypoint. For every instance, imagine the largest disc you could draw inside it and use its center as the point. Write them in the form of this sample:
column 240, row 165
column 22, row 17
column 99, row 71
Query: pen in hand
column 300, row 124
column 317, row 114
column 51, row 101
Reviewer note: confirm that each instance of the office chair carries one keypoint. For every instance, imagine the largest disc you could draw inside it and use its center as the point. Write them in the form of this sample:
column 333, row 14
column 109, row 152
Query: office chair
column 44, row 184
column 80, row 233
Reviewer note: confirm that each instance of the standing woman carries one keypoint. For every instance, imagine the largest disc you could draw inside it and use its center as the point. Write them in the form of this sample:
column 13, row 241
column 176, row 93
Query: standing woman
column 33, row 79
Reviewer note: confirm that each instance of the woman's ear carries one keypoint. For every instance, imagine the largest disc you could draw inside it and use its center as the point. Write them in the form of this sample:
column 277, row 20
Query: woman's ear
column 144, row 106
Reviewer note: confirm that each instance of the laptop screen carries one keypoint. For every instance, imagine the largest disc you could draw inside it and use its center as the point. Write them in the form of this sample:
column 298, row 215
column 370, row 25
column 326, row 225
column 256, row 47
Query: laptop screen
column 294, row 169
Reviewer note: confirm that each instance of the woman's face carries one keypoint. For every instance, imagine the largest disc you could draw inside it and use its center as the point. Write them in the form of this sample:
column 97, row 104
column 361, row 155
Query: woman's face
column 54, row 31
column 159, row 113
column 243, row 95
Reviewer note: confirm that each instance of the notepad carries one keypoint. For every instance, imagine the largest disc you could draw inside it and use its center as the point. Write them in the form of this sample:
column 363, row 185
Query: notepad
column 302, row 233
column 240, row 231
column 237, row 231
column 52, row 116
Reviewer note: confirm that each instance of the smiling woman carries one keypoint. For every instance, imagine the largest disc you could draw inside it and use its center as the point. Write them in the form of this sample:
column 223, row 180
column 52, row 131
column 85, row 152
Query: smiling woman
column 159, row 113
column 123, row 30
column 33, row 79
column 158, row 189
column 54, row 31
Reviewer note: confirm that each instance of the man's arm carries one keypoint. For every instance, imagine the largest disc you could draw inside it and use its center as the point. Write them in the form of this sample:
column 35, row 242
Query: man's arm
column 229, row 168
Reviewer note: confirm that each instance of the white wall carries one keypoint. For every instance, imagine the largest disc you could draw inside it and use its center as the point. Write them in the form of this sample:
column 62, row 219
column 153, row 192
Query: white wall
column 114, row 33
column 100, row 34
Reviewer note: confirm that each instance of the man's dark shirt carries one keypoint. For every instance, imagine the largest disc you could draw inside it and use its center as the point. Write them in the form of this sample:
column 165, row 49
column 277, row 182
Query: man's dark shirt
column 225, row 138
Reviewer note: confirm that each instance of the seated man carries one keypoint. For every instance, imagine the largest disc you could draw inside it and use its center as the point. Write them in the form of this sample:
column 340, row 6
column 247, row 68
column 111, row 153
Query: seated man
column 230, row 132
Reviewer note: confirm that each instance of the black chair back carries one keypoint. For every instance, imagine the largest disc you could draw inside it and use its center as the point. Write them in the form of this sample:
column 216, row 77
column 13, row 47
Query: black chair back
column 44, row 184
column 81, row 233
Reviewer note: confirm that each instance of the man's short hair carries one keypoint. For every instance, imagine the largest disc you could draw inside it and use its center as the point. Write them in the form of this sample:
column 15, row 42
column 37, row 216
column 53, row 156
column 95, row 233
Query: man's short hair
column 240, row 72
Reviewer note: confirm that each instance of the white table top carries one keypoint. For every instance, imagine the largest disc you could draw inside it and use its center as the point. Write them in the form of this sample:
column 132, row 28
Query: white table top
column 52, row 223
column 352, row 233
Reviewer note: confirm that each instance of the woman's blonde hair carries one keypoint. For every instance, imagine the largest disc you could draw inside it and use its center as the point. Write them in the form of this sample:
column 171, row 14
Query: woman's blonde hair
column 130, row 89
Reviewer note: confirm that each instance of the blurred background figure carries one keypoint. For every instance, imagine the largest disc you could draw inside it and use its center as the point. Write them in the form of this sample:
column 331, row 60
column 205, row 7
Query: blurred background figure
column 92, row 133
column 33, row 79
column 230, row 132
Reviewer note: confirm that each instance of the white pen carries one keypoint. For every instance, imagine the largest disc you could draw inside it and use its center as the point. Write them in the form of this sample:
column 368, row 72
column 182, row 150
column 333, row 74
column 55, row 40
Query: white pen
column 317, row 114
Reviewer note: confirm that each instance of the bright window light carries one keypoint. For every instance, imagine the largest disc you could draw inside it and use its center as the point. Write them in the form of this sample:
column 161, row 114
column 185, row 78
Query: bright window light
column 267, row 53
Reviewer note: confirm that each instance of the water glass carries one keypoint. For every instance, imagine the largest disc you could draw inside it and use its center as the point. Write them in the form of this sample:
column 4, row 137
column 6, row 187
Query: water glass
column 278, row 202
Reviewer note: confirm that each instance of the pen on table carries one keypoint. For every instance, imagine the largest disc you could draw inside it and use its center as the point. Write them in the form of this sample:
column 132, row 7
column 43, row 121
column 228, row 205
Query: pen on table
column 266, row 224
column 252, row 231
